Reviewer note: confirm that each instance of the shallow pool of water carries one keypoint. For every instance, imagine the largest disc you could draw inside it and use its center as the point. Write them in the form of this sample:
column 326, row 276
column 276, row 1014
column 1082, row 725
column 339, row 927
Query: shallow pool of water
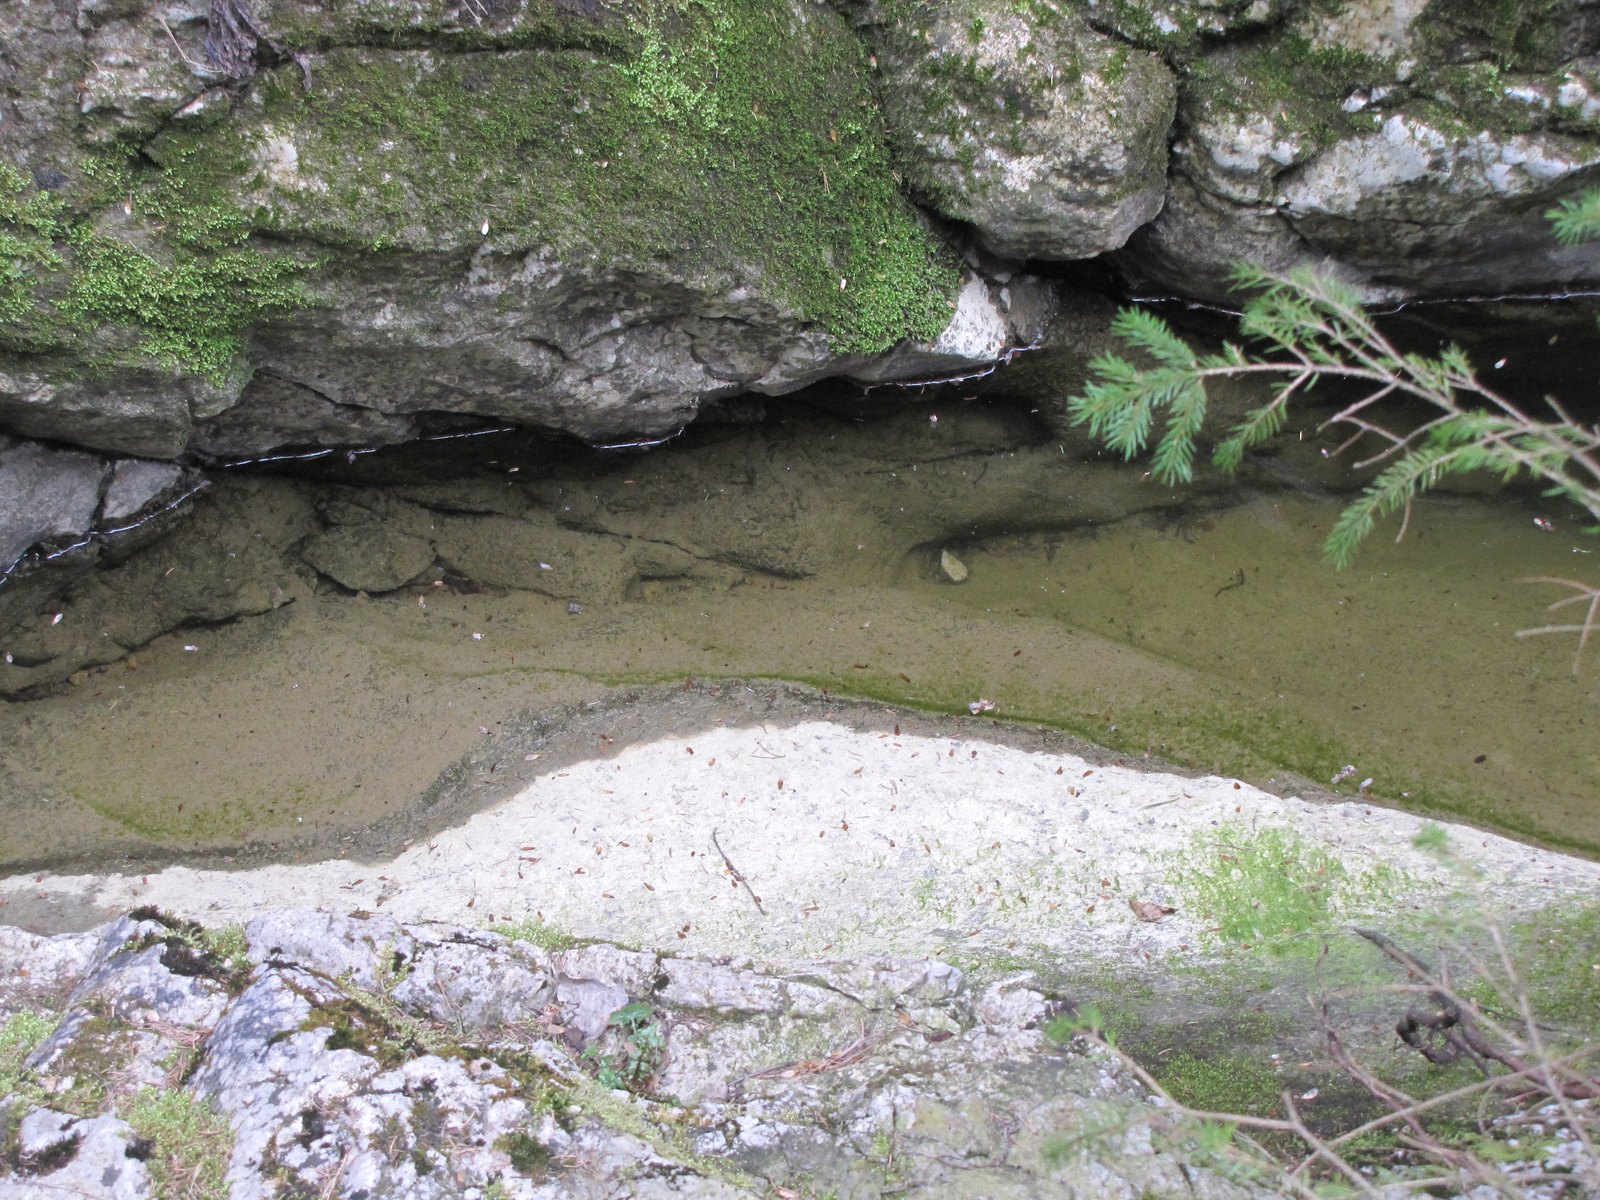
column 1199, row 625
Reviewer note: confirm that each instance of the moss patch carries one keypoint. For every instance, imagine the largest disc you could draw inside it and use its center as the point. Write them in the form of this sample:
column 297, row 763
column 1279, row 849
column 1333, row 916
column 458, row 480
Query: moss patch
column 1561, row 949
column 1266, row 888
column 108, row 289
column 534, row 929
column 725, row 142
column 1300, row 84
column 188, row 1144
column 22, row 1034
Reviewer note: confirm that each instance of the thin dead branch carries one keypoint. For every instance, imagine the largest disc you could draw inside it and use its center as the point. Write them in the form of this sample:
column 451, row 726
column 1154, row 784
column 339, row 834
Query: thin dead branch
column 1590, row 622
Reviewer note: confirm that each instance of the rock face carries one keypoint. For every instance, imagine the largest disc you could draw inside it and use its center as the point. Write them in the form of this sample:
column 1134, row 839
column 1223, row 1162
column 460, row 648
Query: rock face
column 350, row 225
column 1415, row 151
column 572, row 216
column 1047, row 137
column 356, row 1056
column 333, row 226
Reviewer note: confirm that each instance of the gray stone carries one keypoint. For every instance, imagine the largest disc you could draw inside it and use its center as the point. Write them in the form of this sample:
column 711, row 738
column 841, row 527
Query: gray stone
column 135, row 482
column 474, row 981
column 1049, row 138
column 362, row 949
column 140, row 988
column 103, row 1165
column 692, row 984
column 41, row 968
column 274, row 412
column 328, row 1088
column 45, row 493
column 142, row 408
column 1356, row 142
column 1004, row 1005
column 634, row 971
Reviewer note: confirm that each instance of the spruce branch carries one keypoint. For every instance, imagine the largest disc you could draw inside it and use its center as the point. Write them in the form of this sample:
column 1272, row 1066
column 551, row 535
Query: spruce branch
column 1317, row 328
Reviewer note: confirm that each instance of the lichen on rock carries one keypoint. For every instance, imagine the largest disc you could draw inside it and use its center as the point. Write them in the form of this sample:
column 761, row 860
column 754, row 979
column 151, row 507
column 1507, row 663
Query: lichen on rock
column 1046, row 136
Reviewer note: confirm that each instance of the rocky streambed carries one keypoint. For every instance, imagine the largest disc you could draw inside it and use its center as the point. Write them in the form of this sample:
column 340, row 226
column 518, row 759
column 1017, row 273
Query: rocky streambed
column 790, row 960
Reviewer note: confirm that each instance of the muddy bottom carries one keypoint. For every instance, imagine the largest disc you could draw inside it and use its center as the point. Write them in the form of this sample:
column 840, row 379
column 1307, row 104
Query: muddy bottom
column 1198, row 626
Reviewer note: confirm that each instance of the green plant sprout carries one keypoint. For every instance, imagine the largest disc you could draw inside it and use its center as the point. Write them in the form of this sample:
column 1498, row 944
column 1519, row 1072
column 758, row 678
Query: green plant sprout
column 643, row 1044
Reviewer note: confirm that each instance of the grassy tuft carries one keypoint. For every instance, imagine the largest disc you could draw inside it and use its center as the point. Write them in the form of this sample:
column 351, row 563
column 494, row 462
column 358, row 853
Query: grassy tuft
column 22, row 1034
column 189, row 1144
column 1264, row 888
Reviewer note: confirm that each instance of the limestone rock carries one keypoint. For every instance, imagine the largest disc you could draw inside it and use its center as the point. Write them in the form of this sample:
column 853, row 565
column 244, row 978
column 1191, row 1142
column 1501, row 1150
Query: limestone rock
column 951, row 567
column 144, row 986
column 335, row 946
column 1006, row 1006
column 1385, row 148
column 44, row 493
column 719, row 213
column 54, row 965
column 475, row 981
column 339, row 1075
column 1047, row 137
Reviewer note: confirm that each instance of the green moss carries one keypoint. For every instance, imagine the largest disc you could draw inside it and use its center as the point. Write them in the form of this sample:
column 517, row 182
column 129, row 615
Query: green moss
column 1561, row 949
column 1224, row 1084
column 22, row 1034
column 190, row 1144
column 534, row 929
column 1512, row 34
column 1301, row 84
column 529, row 1156
column 185, row 299
column 1262, row 888
column 728, row 141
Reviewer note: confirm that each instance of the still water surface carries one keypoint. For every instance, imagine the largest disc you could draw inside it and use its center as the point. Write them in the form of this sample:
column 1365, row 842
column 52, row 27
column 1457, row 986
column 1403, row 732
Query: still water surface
column 1201, row 625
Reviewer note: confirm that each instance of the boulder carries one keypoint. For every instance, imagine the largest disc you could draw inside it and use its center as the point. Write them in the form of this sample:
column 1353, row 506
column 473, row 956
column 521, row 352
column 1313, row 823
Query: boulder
column 45, row 493
column 581, row 217
column 1048, row 137
column 1414, row 157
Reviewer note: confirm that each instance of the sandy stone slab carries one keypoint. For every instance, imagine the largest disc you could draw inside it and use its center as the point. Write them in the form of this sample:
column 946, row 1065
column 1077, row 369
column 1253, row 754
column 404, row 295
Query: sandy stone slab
column 816, row 840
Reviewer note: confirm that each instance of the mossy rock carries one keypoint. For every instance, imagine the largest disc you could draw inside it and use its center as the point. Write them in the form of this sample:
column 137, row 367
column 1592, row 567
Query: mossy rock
column 1048, row 137
column 484, row 211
